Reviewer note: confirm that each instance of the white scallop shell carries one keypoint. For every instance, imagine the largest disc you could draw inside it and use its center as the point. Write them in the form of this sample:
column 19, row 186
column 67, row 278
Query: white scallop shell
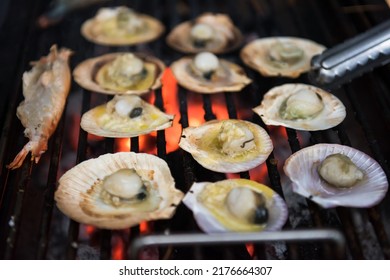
column 235, row 79
column 255, row 55
column 332, row 114
column 74, row 198
column 91, row 30
column 133, row 127
column 214, row 160
column 301, row 168
column 227, row 36
column 278, row 212
column 84, row 74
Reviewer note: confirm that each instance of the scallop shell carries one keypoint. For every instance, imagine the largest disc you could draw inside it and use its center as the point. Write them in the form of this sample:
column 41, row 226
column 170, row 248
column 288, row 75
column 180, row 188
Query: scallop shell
column 332, row 114
column 211, row 223
column 76, row 193
column 129, row 127
column 199, row 142
column 179, row 38
column 235, row 79
column 84, row 74
column 92, row 31
column 255, row 55
column 301, row 168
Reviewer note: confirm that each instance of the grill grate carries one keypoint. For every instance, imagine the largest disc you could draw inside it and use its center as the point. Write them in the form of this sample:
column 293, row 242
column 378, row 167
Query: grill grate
column 34, row 228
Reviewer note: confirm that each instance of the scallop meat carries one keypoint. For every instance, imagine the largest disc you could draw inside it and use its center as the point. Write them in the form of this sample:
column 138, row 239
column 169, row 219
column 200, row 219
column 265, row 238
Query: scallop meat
column 125, row 116
column 302, row 107
column 209, row 32
column 117, row 191
column 120, row 73
column 280, row 56
column 206, row 73
column 228, row 146
column 121, row 26
column 335, row 175
column 236, row 205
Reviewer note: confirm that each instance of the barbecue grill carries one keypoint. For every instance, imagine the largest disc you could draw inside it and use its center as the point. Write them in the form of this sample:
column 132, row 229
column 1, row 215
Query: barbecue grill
column 32, row 227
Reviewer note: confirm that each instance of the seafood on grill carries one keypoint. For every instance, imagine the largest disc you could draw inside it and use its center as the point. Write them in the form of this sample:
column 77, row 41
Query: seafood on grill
column 209, row 32
column 119, row 26
column 236, row 205
column 120, row 73
column 302, row 107
column 280, row 56
column 117, row 191
column 335, row 175
column 125, row 116
column 227, row 145
column 206, row 73
column 45, row 89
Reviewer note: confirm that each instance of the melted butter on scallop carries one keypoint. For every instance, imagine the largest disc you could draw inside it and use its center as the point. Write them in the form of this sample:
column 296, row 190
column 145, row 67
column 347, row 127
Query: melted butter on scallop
column 206, row 73
column 125, row 116
column 117, row 26
column 126, row 72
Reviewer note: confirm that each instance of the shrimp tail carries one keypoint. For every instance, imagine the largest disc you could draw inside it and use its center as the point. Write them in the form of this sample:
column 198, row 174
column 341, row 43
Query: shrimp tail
column 20, row 157
column 37, row 148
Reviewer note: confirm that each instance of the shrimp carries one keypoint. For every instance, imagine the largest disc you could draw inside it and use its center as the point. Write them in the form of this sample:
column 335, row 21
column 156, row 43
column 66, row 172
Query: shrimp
column 45, row 89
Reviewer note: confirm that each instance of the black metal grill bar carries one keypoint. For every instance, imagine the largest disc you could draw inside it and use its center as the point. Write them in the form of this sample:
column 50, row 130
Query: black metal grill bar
column 242, row 238
column 74, row 227
column 47, row 211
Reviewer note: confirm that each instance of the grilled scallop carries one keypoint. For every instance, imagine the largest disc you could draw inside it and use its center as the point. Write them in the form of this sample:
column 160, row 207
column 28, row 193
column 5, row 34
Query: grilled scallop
column 280, row 56
column 236, row 205
column 120, row 73
column 227, row 145
column 117, row 191
column 301, row 107
column 120, row 26
column 125, row 116
column 209, row 32
column 207, row 74
column 336, row 175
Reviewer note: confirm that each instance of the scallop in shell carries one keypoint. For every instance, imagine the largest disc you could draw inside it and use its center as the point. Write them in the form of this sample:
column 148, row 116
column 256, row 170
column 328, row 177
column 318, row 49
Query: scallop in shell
column 119, row 26
column 209, row 32
column 227, row 145
column 280, row 56
column 303, row 170
column 205, row 73
column 120, row 73
column 230, row 205
column 125, row 116
column 301, row 107
column 117, row 191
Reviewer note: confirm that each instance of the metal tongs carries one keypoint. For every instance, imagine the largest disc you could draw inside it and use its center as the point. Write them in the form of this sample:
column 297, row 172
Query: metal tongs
column 356, row 56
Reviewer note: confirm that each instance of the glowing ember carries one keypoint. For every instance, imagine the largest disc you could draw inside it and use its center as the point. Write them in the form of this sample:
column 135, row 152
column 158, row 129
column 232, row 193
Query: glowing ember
column 118, row 248
column 171, row 106
column 251, row 249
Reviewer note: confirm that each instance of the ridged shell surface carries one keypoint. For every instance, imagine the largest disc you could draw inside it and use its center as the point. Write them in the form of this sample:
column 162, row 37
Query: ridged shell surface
column 332, row 114
column 201, row 143
column 214, row 222
column 256, row 55
column 301, row 168
column 234, row 80
column 85, row 74
column 93, row 28
column 151, row 120
column 78, row 191
column 179, row 38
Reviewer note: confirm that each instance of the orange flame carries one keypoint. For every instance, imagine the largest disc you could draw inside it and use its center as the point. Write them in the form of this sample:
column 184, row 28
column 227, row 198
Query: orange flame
column 118, row 249
column 251, row 249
